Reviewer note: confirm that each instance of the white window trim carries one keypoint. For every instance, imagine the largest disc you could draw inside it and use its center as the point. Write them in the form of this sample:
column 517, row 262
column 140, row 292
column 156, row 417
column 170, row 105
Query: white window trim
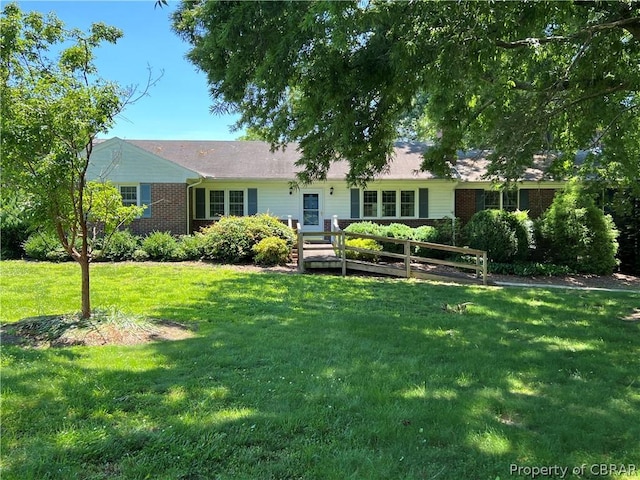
column 137, row 185
column 398, row 203
column 207, row 202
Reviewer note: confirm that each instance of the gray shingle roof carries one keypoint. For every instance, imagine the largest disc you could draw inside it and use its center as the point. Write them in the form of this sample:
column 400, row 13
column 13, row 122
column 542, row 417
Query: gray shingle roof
column 255, row 160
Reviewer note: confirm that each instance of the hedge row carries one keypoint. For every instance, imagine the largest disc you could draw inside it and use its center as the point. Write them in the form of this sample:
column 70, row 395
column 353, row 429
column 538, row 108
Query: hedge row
column 261, row 239
column 572, row 236
column 444, row 232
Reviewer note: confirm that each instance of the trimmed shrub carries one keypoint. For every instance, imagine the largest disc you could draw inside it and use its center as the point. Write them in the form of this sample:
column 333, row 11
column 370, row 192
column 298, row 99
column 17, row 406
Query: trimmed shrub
column 366, row 244
column 271, row 251
column 231, row 239
column 500, row 233
column 140, row 256
column 576, row 233
column 160, row 246
column 121, row 246
column 367, row 228
column 426, row 234
column 45, row 246
column 399, row 231
column 190, row 247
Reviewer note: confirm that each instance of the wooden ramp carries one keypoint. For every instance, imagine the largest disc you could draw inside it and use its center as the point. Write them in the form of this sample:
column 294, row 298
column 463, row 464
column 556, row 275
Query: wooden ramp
column 325, row 254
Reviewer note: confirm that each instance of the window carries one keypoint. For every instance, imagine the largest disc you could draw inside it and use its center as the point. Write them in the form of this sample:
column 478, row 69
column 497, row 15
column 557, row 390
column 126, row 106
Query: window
column 236, row 202
column 216, row 203
column 389, row 203
column 407, row 203
column 370, row 207
column 510, row 200
column 491, row 200
column 129, row 194
column 498, row 200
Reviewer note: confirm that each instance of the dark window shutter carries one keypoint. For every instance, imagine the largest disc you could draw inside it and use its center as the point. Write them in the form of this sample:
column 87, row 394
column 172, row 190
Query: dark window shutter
column 355, row 203
column 479, row 200
column 252, row 201
column 145, row 199
column 423, row 203
column 523, row 201
column 201, row 209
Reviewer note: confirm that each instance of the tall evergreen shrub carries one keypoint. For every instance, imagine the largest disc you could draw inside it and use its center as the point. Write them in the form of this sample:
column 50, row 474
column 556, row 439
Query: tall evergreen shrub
column 576, row 233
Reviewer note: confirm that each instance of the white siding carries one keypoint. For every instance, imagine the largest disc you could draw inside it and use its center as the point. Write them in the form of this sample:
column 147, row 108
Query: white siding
column 274, row 197
column 441, row 199
column 121, row 162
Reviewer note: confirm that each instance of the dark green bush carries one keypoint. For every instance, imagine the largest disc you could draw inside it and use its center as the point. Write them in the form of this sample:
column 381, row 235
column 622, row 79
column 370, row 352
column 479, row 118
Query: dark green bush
column 160, row 246
column 365, row 244
column 529, row 269
column 426, row 234
column 448, row 231
column 121, row 246
column 501, row 234
column 15, row 227
column 399, row 231
column 45, row 246
column 271, row 251
column 231, row 239
column 576, row 233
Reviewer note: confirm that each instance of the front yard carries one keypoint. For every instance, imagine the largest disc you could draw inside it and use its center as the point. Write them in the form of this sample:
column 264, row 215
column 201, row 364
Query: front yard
column 319, row 377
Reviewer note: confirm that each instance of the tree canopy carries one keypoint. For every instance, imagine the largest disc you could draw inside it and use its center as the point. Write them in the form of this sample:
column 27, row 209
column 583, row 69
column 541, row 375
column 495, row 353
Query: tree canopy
column 54, row 105
column 348, row 79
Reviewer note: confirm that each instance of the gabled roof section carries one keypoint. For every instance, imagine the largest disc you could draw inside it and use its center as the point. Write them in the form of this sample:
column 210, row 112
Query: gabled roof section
column 122, row 161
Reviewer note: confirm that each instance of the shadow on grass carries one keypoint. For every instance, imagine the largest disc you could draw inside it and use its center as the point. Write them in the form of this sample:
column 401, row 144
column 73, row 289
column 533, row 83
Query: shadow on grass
column 325, row 377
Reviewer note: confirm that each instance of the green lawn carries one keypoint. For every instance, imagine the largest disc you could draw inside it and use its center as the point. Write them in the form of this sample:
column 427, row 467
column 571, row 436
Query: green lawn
column 319, row 377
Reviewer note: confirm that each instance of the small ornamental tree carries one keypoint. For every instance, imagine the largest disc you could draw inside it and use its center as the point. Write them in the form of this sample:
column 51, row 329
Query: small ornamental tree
column 53, row 106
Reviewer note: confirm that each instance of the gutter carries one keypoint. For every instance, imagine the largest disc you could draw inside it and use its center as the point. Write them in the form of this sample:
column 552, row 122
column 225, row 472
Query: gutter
column 188, row 203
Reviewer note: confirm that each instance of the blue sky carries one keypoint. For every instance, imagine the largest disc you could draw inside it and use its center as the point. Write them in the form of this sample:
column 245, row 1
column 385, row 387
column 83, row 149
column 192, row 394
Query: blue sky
column 177, row 108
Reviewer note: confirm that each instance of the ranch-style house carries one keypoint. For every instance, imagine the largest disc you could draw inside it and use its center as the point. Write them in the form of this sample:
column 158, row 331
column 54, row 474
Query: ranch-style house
column 189, row 184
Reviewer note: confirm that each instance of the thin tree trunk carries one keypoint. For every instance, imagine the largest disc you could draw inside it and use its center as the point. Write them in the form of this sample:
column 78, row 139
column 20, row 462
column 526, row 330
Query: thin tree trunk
column 86, row 295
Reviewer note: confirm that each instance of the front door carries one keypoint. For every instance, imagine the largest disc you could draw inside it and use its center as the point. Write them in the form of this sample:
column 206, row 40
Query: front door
column 312, row 211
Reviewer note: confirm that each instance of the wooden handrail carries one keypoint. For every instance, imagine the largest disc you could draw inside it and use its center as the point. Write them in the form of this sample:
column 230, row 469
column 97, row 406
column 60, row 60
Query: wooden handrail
column 480, row 265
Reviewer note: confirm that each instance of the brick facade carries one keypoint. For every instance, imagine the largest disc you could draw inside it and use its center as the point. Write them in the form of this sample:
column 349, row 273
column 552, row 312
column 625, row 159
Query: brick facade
column 539, row 200
column 465, row 206
column 168, row 210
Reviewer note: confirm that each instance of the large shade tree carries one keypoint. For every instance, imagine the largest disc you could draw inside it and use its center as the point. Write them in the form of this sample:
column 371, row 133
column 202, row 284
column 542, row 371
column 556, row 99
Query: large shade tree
column 53, row 106
column 348, row 79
